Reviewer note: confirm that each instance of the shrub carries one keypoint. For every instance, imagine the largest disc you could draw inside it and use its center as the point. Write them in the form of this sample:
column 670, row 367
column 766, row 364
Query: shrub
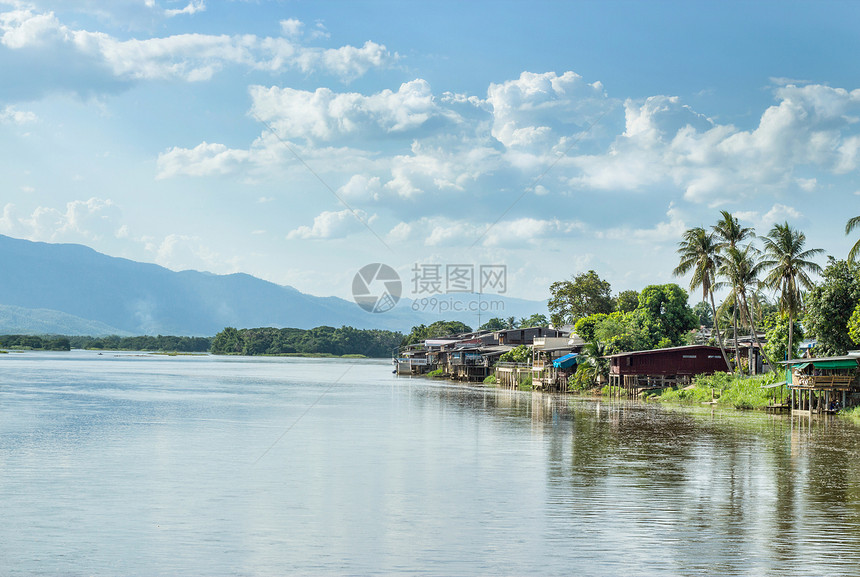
column 526, row 384
column 490, row 380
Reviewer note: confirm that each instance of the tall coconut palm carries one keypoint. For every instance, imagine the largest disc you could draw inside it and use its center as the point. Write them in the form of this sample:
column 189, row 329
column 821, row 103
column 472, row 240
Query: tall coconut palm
column 742, row 269
column 788, row 269
column 730, row 233
column 698, row 253
column 849, row 226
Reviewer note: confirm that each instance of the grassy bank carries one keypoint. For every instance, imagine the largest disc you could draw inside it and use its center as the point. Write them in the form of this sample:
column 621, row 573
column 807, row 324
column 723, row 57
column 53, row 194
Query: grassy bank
column 722, row 389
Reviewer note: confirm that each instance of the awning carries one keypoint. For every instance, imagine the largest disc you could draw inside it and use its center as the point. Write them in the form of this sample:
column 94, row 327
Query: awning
column 838, row 364
column 566, row 361
column 800, row 367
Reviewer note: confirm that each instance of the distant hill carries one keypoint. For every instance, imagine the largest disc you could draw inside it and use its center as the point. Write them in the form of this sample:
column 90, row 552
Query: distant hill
column 21, row 321
column 72, row 289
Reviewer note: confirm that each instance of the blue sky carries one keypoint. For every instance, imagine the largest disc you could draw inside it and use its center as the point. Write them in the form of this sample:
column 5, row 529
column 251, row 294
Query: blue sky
column 298, row 141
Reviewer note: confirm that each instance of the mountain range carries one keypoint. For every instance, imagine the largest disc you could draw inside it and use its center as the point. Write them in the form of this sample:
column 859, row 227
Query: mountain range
column 72, row 289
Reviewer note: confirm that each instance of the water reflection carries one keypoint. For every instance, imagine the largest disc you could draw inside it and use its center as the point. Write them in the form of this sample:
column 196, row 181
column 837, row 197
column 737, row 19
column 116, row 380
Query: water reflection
column 141, row 466
column 673, row 491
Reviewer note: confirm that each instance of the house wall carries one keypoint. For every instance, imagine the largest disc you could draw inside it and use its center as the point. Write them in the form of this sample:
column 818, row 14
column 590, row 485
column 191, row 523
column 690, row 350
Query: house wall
column 670, row 362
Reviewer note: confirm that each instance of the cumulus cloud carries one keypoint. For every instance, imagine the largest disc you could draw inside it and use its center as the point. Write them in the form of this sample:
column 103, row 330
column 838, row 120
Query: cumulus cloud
column 192, row 7
column 203, row 160
column 542, row 109
column 80, row 221
column 331, row 224
column 361, row 187
column 40, row 38
column 667, row 143
column 323, row 115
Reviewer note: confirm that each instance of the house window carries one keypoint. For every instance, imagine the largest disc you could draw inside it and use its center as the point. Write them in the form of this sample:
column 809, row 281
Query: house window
column 688, row 356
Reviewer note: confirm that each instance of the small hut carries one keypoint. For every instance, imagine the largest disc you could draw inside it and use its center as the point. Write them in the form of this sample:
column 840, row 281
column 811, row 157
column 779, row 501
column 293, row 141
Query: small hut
column 823, row 385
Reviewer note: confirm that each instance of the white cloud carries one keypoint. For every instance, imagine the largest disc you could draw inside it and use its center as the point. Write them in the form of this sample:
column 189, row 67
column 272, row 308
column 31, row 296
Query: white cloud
column 667, row 143
column 667, row 231
column 361, row 187
column 186, row 252
column 12, row 115
column 323, row 115
column 193, row 7
column 514, row 233
column 203, row 160
column 188, row 57
column 81, row 221
column 292, row 28
column 541, row 109
column 330, row 224
column 778, row 213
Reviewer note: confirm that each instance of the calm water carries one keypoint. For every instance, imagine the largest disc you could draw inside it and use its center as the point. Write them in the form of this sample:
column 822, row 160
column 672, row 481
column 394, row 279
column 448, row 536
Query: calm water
column 148, row 465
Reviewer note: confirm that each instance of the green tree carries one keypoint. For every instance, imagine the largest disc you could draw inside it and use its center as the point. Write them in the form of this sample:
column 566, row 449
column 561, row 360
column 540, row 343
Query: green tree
column 535, row 320
column 521, row 354
column 789, row 269
column 227, row 342
column 627, row 301
column 742, row 269
column 585, row 327
column 664, row 314
column 703, row 313
column 854, row 326
column 699, row 254
column 850, row 226
column 830, row 305
column 730, row 234
column 779, row 338
column 494, row 324
column 434, row 331
column 619, row 332
column 592, row 367
column 572, row 300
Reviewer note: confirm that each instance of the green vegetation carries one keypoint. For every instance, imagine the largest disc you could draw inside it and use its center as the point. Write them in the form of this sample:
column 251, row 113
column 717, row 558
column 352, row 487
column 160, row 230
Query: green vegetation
column 159, row 343
column 433, row 331
column 830, row 305
column 586, row 294
column 661, row 319
column 777, row 338
column 31, row 342
column 525, row 384
column 521, row 354
column 437, row 374
column 726, row 390
column 490, row 380
column 317, row 341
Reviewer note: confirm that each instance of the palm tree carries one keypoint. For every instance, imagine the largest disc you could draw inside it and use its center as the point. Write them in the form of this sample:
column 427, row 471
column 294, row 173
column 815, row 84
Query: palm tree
column 698, row 253
column 849, row 226
column 742, row 269
column 731, row 233
column 788, row 269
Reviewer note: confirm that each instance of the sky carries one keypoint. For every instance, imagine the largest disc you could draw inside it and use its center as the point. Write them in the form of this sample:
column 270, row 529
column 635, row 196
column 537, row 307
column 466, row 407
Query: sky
column 298, row 141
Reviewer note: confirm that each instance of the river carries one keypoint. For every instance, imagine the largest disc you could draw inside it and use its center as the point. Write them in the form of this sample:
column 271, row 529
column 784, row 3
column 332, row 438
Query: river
column 124, row 464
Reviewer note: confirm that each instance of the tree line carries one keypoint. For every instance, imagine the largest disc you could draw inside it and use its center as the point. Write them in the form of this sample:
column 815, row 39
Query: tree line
column 323, row 340
column 143, row 343
column 33, row 342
